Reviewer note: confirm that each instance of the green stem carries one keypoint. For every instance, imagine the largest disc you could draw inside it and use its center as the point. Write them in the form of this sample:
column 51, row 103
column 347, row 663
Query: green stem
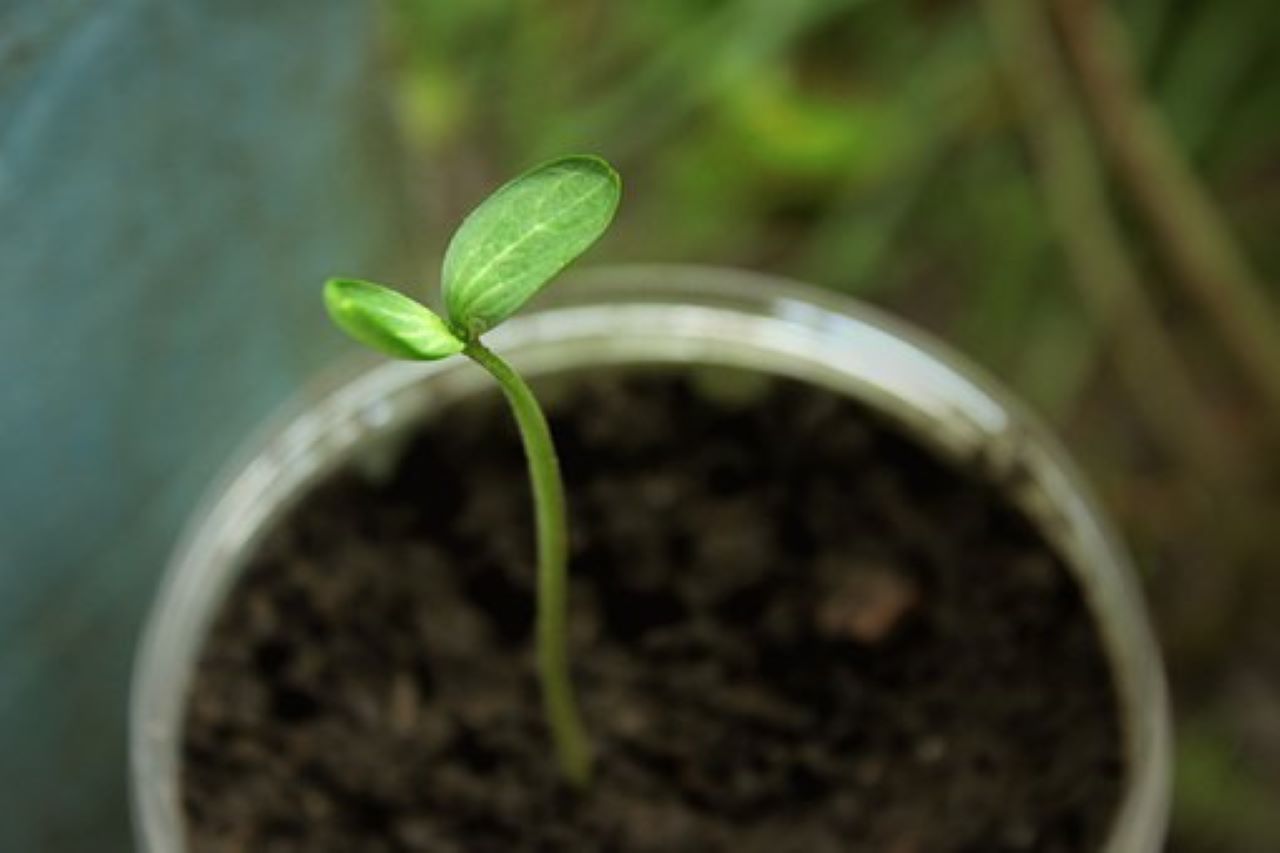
column 567, row 731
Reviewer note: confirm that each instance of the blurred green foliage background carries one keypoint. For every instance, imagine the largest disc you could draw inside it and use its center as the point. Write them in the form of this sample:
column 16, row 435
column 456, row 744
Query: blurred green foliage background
column 1085, row 197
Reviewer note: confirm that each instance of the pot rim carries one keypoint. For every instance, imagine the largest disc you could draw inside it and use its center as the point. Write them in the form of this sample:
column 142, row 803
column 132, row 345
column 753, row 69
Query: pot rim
column 680, row 315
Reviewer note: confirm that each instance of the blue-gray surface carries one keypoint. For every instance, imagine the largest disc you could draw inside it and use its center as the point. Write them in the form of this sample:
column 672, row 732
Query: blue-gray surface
column 176, row 178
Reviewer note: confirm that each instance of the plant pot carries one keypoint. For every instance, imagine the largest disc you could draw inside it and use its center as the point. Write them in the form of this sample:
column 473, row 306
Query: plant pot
column 686, row 318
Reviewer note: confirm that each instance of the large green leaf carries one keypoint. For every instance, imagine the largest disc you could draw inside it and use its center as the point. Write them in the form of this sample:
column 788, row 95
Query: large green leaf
column 388, row 321
column 524, row 234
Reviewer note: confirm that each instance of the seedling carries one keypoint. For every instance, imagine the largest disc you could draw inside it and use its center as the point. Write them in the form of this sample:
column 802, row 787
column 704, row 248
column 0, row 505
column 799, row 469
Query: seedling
column 506, row 251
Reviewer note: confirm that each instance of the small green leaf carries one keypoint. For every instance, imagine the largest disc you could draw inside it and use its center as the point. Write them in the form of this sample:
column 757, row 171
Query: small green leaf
column 388, row 321
column 522, row 235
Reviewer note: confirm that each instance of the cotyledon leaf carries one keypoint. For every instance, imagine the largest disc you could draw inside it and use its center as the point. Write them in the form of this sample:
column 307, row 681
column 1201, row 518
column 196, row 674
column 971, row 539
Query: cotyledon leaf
column 388, row 321
column 522, row 235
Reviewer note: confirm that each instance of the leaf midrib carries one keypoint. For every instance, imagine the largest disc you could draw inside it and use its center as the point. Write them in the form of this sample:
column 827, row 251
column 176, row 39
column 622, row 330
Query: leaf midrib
column 535, row 229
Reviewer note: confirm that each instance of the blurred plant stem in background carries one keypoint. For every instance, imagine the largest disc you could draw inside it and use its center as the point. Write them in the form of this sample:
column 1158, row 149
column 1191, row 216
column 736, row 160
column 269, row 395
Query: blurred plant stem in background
column 1020, row 176
column 1200, row 248
column 1075, row 196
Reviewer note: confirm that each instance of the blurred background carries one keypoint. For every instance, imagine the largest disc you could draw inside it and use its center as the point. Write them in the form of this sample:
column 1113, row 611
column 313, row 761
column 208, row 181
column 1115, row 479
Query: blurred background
column 1083, row 196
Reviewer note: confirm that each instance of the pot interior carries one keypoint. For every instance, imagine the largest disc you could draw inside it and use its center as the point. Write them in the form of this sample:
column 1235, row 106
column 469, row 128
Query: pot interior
column 639, row 317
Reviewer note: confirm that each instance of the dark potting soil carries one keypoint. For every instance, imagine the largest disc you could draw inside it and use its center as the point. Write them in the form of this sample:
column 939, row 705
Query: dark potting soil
column 794, row 630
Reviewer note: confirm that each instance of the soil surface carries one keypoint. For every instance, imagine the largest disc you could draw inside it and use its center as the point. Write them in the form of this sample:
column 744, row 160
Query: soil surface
column 795, row 631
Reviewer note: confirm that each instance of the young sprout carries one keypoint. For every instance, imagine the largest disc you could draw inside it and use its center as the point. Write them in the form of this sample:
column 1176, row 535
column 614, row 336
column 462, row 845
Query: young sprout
column 501, row 256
